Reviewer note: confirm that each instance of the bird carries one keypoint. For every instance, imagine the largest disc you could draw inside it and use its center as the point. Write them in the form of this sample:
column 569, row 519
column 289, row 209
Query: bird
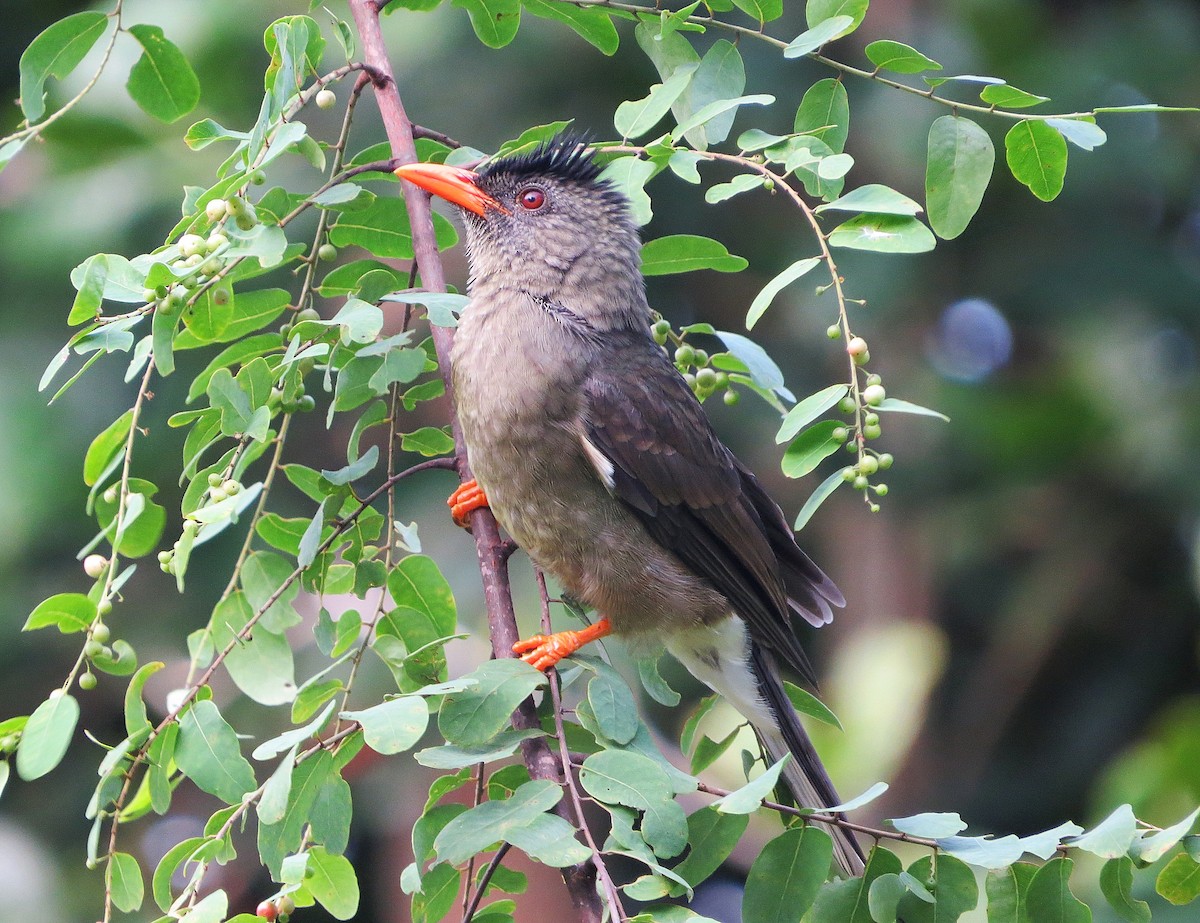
column 599, row 461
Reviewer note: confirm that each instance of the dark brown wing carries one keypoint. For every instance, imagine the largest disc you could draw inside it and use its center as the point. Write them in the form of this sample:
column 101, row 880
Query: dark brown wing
column 695, row 499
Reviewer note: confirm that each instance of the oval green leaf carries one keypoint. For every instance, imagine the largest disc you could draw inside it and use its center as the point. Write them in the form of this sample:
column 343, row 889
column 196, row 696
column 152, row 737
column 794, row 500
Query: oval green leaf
column 784, row 879
column 810, row 448
column 763, row 299
column 69, row 612
column 1037, row 157
column 959, row 168
column 55, row 53
column 883, row 234
column 46, row 736
column 899, row 58
column 162, row 81
column 687, row 253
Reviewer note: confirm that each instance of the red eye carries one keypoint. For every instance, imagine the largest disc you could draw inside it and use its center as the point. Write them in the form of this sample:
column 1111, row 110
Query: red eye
column 531, row 199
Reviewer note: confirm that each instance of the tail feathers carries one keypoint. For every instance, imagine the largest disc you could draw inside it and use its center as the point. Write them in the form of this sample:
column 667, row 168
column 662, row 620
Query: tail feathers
column 804, row 773
column 723, row 657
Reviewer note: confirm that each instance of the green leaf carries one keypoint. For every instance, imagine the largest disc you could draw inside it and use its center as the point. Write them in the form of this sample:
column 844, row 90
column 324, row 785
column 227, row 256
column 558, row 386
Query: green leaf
column 1009, row 97
column 629, row 176
column 331, row 880
column 69, row 612
column 762, row 369
column 520, row 820
column 1112, row 837
column 612, row 704
column 808, row 704
column 687, row 253
column 55, row 53
column 162, row 81
column 1037, row 157
column 262, row 576
column 477, row 714
column 899, row 58
column 209, row 755
column 1006, row 889
column 810, row 448
column 954, row 890
column 46, row 736
column 593, row 23
column 931, row 825
column 762, row 10
column 260, row 662
column 882, row 200
column 1050, row 899
column 817, row 497
column 654, row 684
column 747, row 799
column 631, row 779
column 720, row 76
column 252, row 311
column 883, row 897
column 392, row 726
column 808, row 410
column 428, row 441
column 1179, row 881
column 383, row 227
column 1153, row 847
column 719, row 107
column 895, row 405
column 91, row 290
column 763, row 299
column 1116, row 884
column 123, row 878
column 743, row 182
column 959, row 168
column 825, row 31
column 824, row 113
column 495, row 21
column 135, row 708
column 784, row 879
column 1083, row 133
column 417, row 583
column 818, row 11
column 712, row 836
column 883, row 234
column 500, row 747
column 847, row 900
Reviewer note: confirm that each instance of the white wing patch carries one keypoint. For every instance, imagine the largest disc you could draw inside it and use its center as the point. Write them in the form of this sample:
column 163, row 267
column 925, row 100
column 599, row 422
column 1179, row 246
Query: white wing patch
column 599, row 461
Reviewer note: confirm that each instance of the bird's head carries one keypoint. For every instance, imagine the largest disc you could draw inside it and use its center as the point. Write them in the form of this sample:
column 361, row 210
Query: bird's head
column 543, row 221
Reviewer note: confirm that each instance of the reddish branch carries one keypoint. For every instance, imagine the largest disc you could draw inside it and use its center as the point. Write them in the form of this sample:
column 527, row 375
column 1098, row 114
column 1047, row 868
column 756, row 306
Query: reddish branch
column 489, row 547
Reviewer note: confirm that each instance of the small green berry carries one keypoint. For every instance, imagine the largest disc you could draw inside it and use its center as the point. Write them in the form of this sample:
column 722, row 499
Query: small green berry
column 870, row 418
column 191, row 245
column 885, row 461
column 327, row 252
column 872, row 431
column 690, row 379
column 215, row 479
column 851, row 445
column 685, row 355
column 246, row 221
column 101, row 633
column 840, row 434
column 662, row 326
column 834, row 332
column 234, row 206
column 881, row 489
column 722, row 380
column 868, row 464
column 93, row 649
column 857, row 346
column 87, row 680
column 104, row 607
column 847, row 404
column 164, row 557
column 286, row 905
column 848, row 474
column 874, row 394
column 222, row 295
column 307, row 314
column 231, row 487
column 874, row 379
column 307, row 403
column 701, row 357
column 211, row 266
column 731, row 397
column 215, row 210
column 861, row 483
column 258, row 177
column 217, row 494
column 149, row 295
column 326, row 99
column 874, row 507
column 215, row 242
column 706, row 378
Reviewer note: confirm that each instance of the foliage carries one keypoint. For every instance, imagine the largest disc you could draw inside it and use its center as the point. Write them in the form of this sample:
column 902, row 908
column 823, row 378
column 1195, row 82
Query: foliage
column 220, row 283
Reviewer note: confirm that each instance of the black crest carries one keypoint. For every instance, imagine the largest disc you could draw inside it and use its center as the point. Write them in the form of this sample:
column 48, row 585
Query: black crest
column 565, row 156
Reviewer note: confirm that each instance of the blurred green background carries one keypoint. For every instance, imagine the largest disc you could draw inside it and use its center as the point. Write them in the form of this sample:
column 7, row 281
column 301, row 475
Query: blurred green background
column 1020, row 642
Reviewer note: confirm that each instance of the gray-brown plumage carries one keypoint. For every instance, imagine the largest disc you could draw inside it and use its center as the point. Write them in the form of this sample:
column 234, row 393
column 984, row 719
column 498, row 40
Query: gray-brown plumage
column 598, row 459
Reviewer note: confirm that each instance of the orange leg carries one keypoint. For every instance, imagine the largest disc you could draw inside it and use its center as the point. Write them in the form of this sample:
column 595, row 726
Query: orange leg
column 545, row 651
column 468, row 497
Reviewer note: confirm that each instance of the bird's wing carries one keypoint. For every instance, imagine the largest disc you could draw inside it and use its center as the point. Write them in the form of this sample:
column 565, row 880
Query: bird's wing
column 652, row 445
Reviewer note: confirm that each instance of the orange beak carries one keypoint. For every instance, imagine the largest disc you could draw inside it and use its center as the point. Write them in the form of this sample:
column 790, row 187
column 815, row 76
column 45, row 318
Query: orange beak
column 453, row 184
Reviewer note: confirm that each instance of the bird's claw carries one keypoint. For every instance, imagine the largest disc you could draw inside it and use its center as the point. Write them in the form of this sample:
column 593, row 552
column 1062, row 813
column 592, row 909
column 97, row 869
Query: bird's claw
column 465, row 500
column 545, row 651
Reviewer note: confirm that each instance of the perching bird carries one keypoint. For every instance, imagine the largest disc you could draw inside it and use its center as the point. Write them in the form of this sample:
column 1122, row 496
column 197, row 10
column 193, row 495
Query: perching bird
column 597, row 458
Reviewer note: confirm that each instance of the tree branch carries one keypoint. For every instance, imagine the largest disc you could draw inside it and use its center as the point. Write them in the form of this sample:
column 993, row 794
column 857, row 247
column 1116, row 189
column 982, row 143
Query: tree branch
column 489, row 548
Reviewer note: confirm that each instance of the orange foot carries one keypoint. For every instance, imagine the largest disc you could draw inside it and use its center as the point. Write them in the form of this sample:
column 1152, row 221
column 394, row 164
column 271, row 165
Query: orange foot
column 545, row 651
column 468, row 497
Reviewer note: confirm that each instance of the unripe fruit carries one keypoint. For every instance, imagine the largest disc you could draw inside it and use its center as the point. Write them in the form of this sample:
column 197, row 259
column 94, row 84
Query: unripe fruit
column 94, row 565
column 217, row 494
column 722, row 380
column 862, row 359
column 110, row 495
column 191, row 527
column 87, row 681
column 840, row 434
column 104, row 607
column 847, row 404
column 874, row 507
column 701, row 357
column 327, row 252
column 215, row 210
column 685, row 355
column 215, row 480
column 231, row 487
column 286, row 905
column 690, row 379
column 848, row 474
column 211, row 266
column 661, row 327
column 732, row 397
column 246, row 221
column 886, row 460
column 101, row 633
column 868, row 465
column 874, row 395
column 861, row 483
column 92, row 649
column 307, row 403
column 216, row 241
column 326, row 99
column 870, row 418
column 857, row 346
column 222, row 295
column 874, row 379
column 706, row 378
column 881, row 489
column 267, row 910
column 149, row 295
column 872, row 431
column 834, row 332
column 234, row 206
column 851, row 445
column 307, row 314
column 191, row 244
column 258, row 177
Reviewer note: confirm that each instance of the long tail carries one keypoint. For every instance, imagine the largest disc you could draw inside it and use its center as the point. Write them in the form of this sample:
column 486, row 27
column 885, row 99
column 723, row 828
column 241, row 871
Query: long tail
column 725, row 659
